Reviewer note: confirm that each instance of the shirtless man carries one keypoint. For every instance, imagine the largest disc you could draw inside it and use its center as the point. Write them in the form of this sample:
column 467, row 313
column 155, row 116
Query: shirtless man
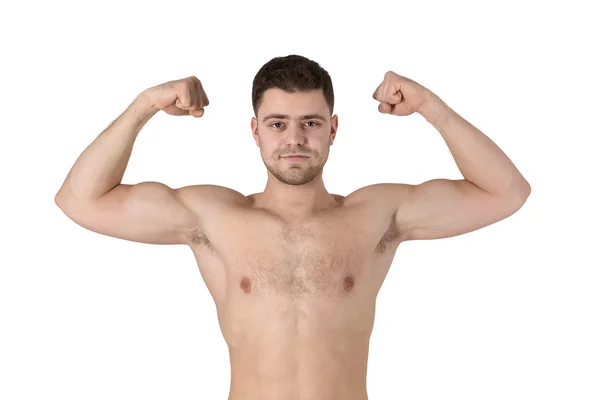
column 294, row 271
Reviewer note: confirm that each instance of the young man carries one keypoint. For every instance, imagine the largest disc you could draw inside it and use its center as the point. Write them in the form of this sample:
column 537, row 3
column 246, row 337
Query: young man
column 294, row 270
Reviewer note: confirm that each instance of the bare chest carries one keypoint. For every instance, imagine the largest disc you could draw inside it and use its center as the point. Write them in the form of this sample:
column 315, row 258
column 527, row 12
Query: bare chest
column 335, row 258
column 301, row 261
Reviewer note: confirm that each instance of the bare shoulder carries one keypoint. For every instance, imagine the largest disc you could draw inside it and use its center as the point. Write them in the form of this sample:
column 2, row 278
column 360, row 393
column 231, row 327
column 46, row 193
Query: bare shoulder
column 379, row 202
column 200, row 197
column 209, row 203
column 382, row 195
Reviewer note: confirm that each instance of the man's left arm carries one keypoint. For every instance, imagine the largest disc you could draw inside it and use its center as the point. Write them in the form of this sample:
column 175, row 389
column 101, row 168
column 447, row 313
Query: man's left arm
column 492, row 188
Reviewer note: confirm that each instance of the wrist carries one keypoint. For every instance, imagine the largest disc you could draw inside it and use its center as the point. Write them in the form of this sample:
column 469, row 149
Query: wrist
column 142, row 109
column 434, row 110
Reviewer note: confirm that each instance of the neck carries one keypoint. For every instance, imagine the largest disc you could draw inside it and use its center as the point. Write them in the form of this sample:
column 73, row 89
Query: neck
column 299, row 200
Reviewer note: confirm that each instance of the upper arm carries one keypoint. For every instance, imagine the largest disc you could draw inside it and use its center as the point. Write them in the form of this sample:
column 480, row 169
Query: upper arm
column 442, row 208
column 147, row 212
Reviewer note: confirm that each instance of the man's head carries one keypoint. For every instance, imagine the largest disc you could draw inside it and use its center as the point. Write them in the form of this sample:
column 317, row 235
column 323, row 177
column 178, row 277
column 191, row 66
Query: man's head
column 293, row 102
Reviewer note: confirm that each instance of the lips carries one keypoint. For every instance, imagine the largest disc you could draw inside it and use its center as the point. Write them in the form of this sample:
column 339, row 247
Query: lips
column 294, row 159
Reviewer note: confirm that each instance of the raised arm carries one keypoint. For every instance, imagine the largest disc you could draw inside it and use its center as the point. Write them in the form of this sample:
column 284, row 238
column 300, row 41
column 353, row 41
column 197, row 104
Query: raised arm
column 93, row 196
column 492, row 189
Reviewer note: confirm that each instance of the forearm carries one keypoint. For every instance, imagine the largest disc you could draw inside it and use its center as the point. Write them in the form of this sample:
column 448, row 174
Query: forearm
column 102, row 164
column 478, row 158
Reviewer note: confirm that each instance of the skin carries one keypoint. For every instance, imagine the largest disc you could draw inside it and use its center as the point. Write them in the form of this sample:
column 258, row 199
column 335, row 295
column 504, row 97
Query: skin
column 294, row 270
column 294, row 188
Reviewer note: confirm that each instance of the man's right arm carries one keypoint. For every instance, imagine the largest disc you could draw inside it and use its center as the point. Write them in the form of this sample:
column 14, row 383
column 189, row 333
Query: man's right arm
column 93, row 196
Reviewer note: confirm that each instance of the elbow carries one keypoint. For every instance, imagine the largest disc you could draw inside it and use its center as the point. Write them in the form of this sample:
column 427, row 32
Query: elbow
column 58, row 199
column 521, row 195
column 520, row 190
column 525, row 191
column 518, row 195
column 61, row 196
column 63, row 200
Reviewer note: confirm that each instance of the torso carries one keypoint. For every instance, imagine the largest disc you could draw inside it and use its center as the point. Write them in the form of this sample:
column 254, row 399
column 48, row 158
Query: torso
column 296, row 299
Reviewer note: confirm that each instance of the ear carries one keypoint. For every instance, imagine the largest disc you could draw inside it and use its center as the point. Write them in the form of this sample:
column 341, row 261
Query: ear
column 334, row 127
column 254, row 128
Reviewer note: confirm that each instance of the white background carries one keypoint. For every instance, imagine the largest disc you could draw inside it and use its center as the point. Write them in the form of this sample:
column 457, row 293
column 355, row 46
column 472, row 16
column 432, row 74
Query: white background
column 507, row 312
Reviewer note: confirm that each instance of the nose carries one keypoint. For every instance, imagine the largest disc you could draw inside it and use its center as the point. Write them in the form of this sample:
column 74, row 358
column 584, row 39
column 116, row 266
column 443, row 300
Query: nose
column 295, row 136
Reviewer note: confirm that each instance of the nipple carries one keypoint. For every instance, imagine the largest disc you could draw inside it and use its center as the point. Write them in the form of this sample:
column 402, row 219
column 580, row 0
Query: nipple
column 348, row 283
column 245, row 285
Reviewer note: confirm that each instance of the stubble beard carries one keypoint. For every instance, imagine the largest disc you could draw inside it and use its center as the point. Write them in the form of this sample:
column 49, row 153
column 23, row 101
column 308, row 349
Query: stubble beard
column 294, row 175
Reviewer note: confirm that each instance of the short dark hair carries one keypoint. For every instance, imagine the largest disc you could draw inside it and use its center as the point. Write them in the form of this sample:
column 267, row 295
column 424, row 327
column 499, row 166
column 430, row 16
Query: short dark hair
column 291, row 73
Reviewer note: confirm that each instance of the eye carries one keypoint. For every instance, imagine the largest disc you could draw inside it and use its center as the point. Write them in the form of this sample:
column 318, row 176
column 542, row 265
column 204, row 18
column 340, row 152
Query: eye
column 313, row 122
column 274, row 124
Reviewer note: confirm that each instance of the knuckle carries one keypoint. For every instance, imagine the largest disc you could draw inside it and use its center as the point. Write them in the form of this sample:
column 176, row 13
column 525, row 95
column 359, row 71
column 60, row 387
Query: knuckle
column 181, row 85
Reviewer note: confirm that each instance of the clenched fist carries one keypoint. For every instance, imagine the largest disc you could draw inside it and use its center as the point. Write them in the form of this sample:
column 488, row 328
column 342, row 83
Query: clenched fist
column 181, row 97
column 399, row 95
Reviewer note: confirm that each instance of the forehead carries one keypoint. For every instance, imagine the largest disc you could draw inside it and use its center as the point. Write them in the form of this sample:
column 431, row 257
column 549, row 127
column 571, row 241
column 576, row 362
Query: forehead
column 297, row 103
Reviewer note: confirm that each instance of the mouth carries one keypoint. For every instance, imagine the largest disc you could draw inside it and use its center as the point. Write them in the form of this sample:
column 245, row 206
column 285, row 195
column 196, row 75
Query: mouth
column 295, row 157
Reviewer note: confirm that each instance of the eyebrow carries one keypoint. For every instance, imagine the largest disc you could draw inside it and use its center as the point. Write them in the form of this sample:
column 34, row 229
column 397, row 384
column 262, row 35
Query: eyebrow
column 283, row 116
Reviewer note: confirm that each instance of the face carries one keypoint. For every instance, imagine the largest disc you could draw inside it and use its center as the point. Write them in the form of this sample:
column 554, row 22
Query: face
column 294, row 123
